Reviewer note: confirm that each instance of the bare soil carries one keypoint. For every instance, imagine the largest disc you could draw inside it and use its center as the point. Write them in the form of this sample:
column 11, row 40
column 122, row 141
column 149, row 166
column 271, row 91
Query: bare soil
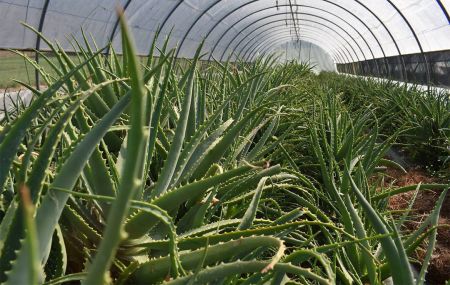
column 439, row 269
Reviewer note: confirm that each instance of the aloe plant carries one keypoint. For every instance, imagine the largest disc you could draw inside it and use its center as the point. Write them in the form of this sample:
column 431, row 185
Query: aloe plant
column 180, row 171
column 424, row 116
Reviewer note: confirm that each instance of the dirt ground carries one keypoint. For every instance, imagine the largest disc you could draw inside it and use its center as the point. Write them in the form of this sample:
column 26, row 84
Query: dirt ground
column 439, row 269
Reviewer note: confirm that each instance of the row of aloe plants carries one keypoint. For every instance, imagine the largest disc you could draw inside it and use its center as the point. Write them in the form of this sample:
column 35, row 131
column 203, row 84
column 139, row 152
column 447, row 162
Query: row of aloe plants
column 343, row 153
column 142, row 172
column 424, row 116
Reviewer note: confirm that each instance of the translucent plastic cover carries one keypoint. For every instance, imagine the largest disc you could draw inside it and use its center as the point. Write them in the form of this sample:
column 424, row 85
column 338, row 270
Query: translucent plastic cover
column 305, row 52
column 348, row 30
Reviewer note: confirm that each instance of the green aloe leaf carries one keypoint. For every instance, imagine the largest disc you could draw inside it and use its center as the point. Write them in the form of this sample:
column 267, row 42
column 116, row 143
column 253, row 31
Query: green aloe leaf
column 177, row 143
column 53, row 203
column 33, row 273
column 12, row 139
column 401, row 272
column 250, row 213
column 130, row 180
column 139, row 224
column 222, row 271
column 155, row 270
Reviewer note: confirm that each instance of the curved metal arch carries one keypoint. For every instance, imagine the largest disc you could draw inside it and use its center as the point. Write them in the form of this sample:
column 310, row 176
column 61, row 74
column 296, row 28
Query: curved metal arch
column 263, row 31
column 261, row 42
column 194, row 23
column 311, row 7
column 402, row 60
column 245, row 47
column 298, row 13
column 328, row 48
column 116, row 25
column 339, row 44
column 296, row 5
column 311, row 21
column 330, row 13
column 332, row 53
column 338, row 56
column 272, row 27
column 345, row 50
column 254, row 22
column 326, row 1
column 285, row 38
column 277, row 14
column 337, row 53
column 441, row 5
column 265, row 50
column 425, row 60
column 404, row 72
column 319, row 31
column 164, row 22
column 312, row 39
column 262, row 50
column 357, row 1
column 38, row 43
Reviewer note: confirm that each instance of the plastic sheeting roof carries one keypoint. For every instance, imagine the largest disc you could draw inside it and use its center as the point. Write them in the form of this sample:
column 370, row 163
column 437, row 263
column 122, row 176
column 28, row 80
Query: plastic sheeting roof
column 348, row 30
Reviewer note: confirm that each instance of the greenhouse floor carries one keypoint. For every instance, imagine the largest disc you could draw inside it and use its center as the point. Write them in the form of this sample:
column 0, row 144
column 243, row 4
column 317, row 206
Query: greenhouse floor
column 424, row 203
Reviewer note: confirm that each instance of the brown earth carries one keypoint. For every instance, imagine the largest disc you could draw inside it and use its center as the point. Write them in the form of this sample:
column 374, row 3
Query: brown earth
column 439, row 269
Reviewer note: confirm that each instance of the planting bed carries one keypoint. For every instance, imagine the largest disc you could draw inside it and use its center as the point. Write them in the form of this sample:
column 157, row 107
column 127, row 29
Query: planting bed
column 125, row 171
column 439, row 271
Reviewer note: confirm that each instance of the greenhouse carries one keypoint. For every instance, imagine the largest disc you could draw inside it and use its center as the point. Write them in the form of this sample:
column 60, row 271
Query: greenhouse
column 225, row 142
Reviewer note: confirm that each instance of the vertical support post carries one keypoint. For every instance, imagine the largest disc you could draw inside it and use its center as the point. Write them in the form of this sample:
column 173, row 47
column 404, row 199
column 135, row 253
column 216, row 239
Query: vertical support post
column 38, row 42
